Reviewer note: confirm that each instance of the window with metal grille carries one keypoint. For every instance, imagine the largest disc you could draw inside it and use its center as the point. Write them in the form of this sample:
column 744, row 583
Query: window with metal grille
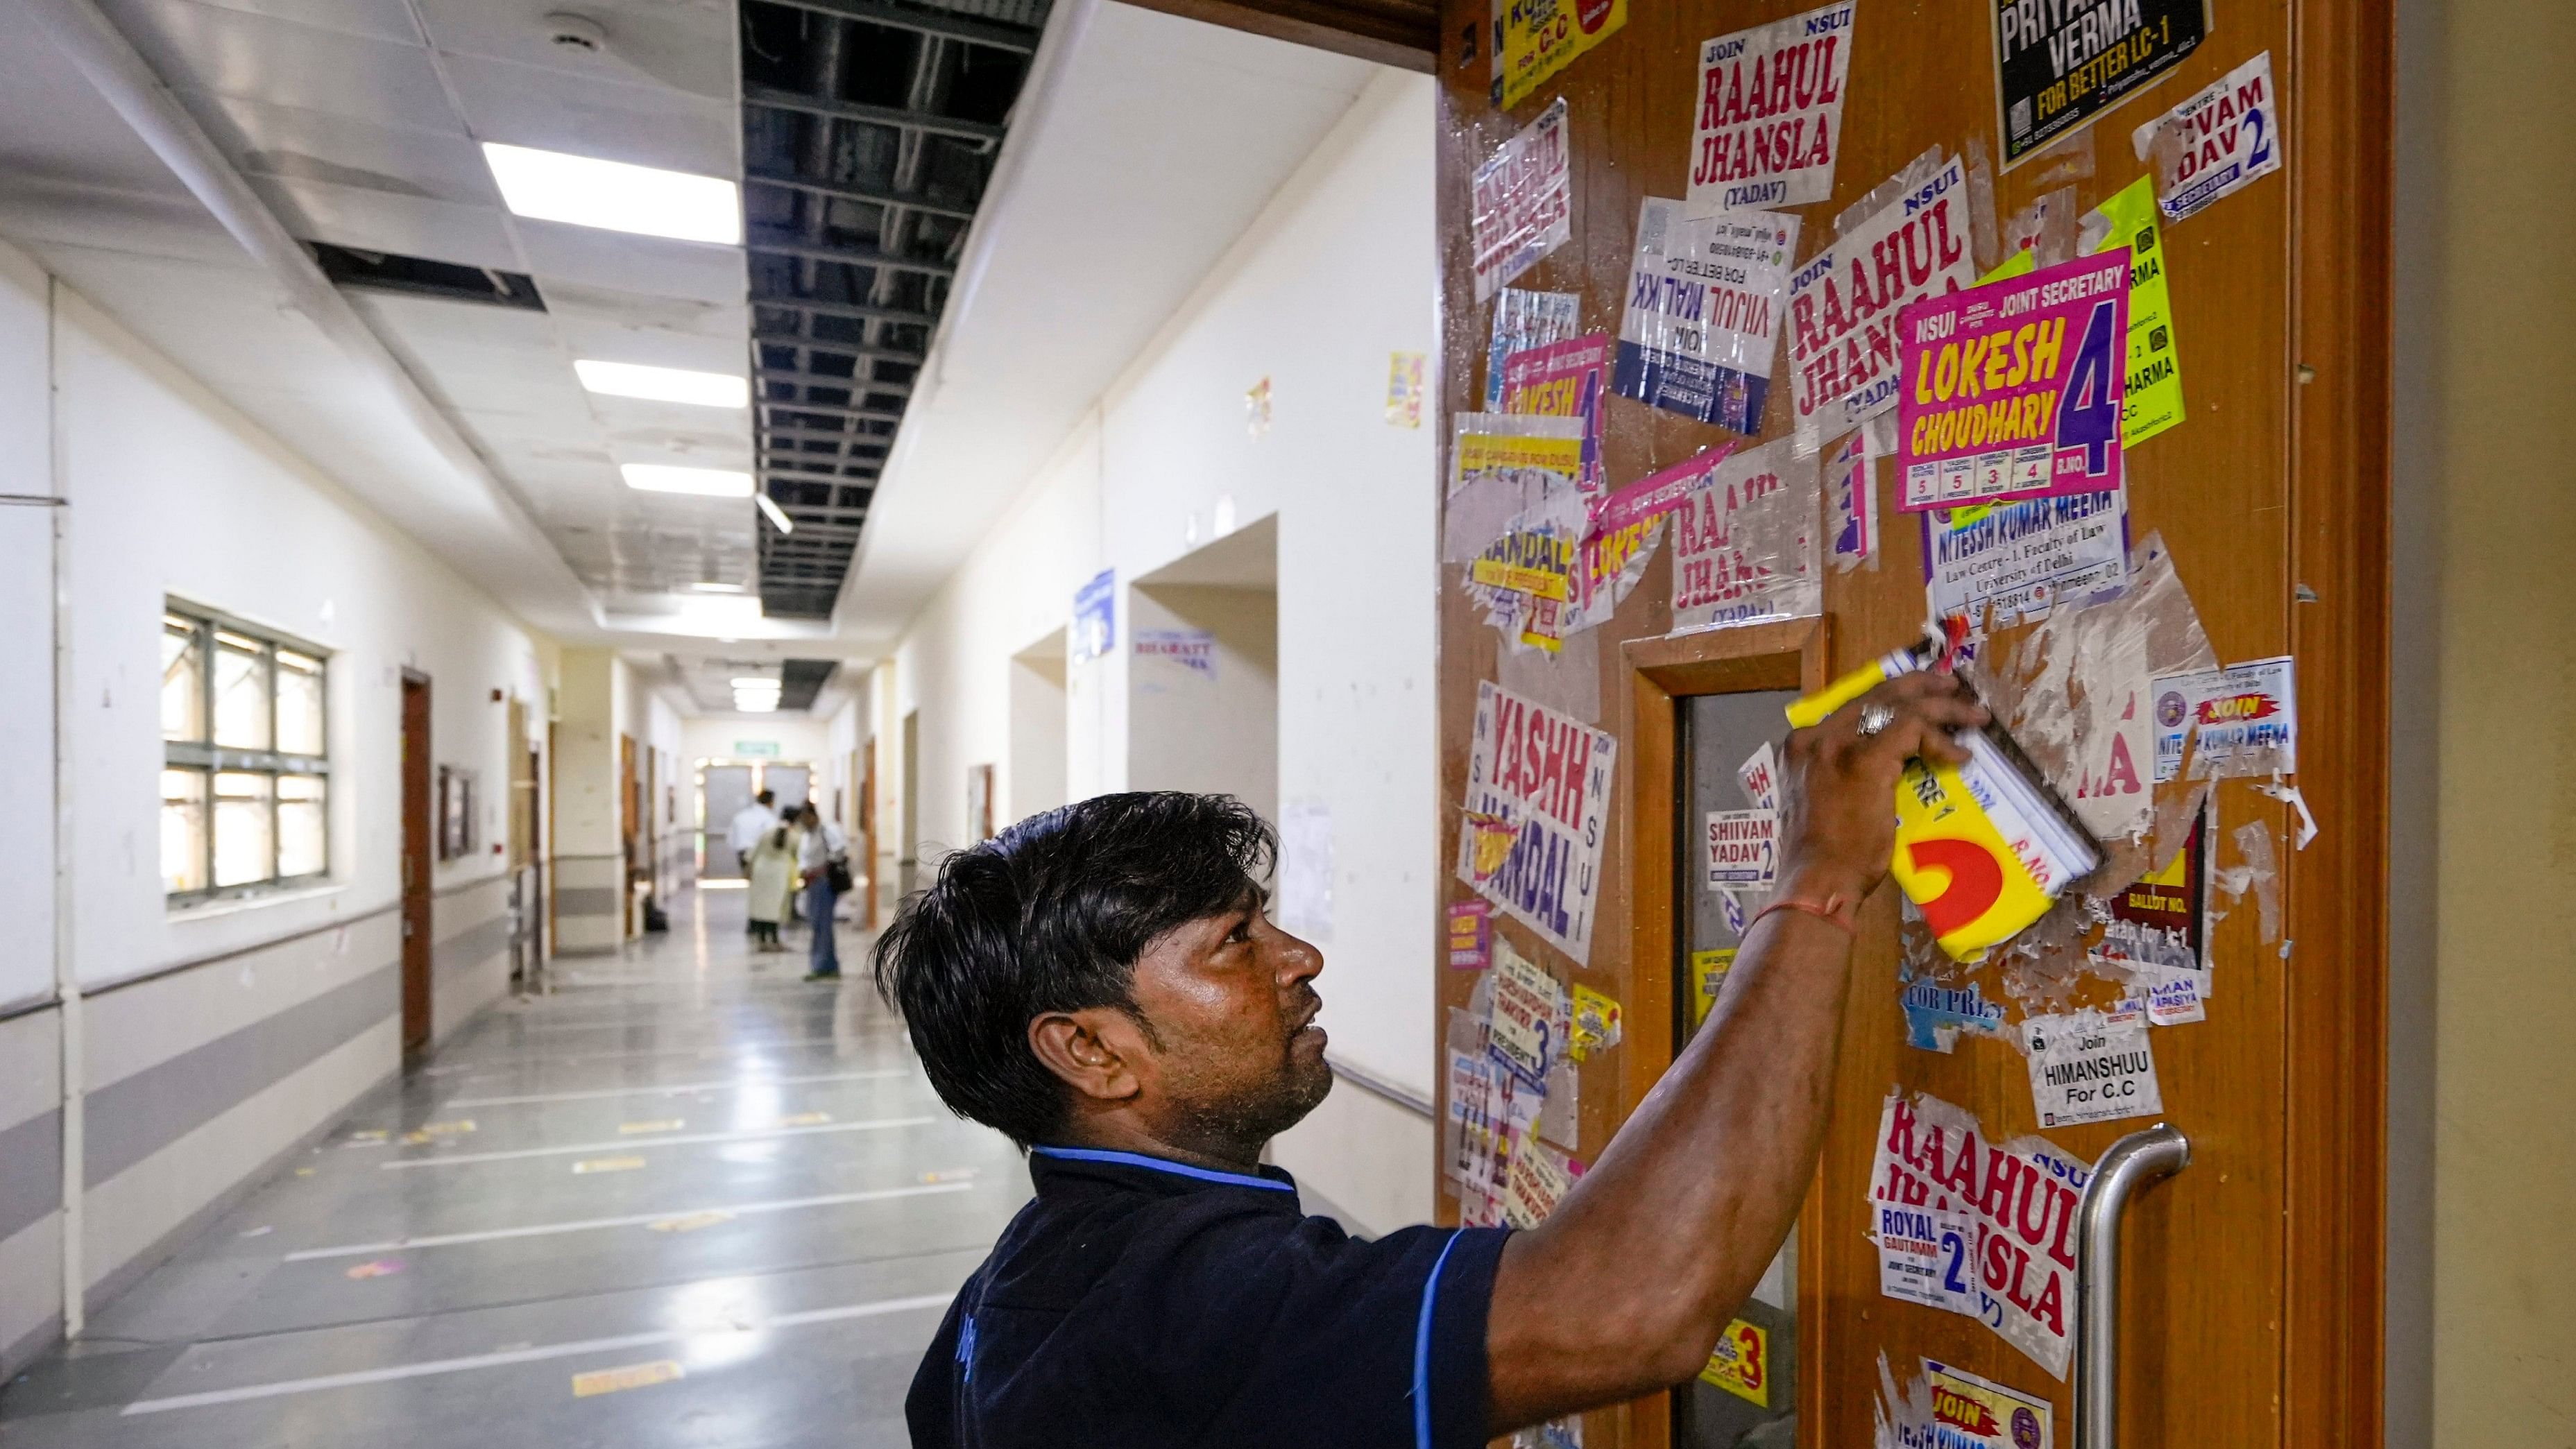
column 245, row 767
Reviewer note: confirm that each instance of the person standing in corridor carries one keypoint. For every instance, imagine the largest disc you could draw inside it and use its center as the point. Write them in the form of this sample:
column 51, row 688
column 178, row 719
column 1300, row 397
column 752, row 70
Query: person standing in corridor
column 824, row 860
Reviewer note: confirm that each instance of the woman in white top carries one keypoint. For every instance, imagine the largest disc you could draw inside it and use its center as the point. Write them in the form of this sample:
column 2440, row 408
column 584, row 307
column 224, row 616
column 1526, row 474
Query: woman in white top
column 773, row 876
column 825, row 848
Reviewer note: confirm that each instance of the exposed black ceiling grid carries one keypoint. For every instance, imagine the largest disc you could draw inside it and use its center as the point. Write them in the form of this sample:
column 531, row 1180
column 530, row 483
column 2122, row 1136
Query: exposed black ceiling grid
column 800, row 680
column 869, row 133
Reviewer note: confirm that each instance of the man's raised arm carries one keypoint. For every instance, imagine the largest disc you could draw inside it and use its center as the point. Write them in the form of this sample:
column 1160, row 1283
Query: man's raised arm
column 1624, row 1289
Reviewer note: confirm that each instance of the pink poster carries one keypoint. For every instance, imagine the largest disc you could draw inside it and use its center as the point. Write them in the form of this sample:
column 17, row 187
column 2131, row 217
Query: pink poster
column 2012, row 390
column 1563, row 380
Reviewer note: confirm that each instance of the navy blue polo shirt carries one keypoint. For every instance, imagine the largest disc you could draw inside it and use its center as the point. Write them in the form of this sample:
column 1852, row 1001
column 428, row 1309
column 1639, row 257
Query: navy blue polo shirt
column 1140, row 1302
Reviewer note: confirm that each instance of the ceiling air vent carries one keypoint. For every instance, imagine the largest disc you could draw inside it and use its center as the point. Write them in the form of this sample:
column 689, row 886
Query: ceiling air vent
column 421, row 277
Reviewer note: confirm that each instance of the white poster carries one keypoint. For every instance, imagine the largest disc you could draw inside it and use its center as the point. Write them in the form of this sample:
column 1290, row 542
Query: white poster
column 2023, row 559
column 2091, row 1066
column 1702, row 324
column 1537, row 813
column 1744, row 542
column 2216, row 143
column 1521, row 202
column 1743, row 848
column 1843, row 302
column 1767, row 114
column 2242, row 720
column 1927, row 1257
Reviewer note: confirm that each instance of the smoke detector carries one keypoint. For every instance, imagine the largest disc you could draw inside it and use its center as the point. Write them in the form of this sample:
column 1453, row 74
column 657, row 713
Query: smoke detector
column 580, row 33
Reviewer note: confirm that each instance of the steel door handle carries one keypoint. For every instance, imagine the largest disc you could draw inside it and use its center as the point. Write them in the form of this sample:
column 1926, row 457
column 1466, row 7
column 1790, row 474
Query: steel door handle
column 2132, row 1163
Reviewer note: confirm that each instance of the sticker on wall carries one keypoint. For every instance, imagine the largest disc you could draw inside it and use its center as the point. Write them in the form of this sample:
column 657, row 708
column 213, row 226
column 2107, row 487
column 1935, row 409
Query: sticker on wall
column 1520, row 202
column 1524, row 320
column 1527, row 1003
column 1403, row 392
column 2091, row 1066
column 1596, row 1023
column 1708, row 977
column 2013, row 389
column 1969, row 1412
column 1537, row 1180
column 2021, row 560
column 1843, row 303
column 1935, row 1014
column 1851, row 505
column 1471, row 935
column 1767, row 113
column 2161, row 921
column 1095, row 617
column 2152, row 399
column 1256, row 409
column 1744, row 543
column 1927, row 1257
column 1563, row 380
column 2238, row 721
column 1742, row 850
column 1537, row 38
column 1545, row 778
column 2059, row 68
column 2022, row 1194
column 1702, row 322
column 1741, row 1363
column 1187, row 654
column 2215, row 144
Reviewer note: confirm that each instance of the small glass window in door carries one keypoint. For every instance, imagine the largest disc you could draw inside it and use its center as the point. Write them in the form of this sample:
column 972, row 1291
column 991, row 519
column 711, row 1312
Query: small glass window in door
column 1747, row 1396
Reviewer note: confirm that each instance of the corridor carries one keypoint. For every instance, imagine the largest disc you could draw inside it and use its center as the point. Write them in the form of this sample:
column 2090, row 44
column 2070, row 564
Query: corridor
column 686, row 1199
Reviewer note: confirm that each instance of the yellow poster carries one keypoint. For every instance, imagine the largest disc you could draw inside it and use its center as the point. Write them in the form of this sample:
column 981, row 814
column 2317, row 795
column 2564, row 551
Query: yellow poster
column 2152, row 399
column 1534, row 39
column 1708, row 973
column 1741, row 1364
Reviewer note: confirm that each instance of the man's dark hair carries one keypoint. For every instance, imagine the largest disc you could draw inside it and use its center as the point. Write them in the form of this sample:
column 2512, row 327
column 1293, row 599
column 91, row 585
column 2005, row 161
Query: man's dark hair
column 1051, row 916
column 765, row 796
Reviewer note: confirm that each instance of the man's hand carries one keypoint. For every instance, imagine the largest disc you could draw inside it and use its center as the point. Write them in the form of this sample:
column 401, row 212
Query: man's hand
column 1838, row 818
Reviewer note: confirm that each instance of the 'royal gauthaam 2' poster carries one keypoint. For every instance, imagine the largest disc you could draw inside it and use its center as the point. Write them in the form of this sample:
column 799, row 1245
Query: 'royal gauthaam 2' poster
column 2013, row 389
column 1537, row 813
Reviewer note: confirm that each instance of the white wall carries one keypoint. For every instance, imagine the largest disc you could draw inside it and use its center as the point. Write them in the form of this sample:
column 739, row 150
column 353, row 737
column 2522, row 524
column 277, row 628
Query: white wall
column 1336, row 274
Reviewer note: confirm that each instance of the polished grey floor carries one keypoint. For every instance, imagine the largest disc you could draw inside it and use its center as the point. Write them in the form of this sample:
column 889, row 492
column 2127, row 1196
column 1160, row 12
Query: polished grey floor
column 699, row 1203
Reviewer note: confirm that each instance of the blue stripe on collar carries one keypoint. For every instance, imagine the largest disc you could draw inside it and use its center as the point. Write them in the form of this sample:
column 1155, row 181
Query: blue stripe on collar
column 1157, row 1164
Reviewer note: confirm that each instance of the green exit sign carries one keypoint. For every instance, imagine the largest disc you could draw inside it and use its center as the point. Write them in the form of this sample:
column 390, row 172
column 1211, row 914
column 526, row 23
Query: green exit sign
column 755, row 749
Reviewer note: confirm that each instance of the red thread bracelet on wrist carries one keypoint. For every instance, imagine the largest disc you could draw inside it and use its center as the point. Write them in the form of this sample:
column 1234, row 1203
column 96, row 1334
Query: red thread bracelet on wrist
column 1831, row 911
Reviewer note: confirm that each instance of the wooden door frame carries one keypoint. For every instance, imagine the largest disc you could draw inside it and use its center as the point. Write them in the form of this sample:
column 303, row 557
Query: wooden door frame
column 418, row 852
column 1659, row 674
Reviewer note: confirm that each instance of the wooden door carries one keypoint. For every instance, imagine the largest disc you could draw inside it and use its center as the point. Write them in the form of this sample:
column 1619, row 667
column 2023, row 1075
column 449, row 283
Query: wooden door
column 630, row 823
column 2251, row 1303
column 863, row 768
column 417, row 853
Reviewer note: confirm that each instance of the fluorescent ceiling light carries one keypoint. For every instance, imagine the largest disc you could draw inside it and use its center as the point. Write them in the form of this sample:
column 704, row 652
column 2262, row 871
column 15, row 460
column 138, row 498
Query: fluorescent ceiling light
column 756, row 704
column 671, row 478
column 710, row 586
column 664, row 384
column 758, row 684
column 585, row 191
column 777, row 515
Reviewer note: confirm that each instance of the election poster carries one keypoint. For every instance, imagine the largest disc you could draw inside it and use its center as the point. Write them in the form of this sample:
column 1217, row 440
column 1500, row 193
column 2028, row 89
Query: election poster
column 1851, row 505
column 2239, row 721
column 1743, row 849
column 1537, row 38
column 1520, row 202
column 2060, row 66
column 2217, row 143
column 1744, row 541
column 1522, row 1033
column 2022, row 1196
column 2013, row 389
column 1471, row 935
column 2151, row 399
column 1095, row 617
column 1702, row 324
column 1542, row 779
column 1523, row 320
column 1185, row 653
column 2162, row 919
column 1969, row 1412
column 1767, row 114
column 1741, row 1362
column 2020, row 560
column 2091, row 1066
column 1927, row 1257
column 1844, row 302
column 1563, row 380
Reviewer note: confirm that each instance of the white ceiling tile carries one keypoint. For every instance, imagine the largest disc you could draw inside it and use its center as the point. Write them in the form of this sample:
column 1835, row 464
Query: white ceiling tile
column 644, row 125
column 37, row 213
column 54, row 125
column 234, row 53
column 430, row 322
column 687, row 45
column 379, row 221
column 633, row 327
column 588, row 256
column 267, row 140
column 376, row 19
column 626, row 417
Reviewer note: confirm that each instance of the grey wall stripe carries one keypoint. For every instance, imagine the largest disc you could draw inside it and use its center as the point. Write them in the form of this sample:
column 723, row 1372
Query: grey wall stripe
column 588, row 901
column 31, row 1170
column 471, row 947
column 131, row 1119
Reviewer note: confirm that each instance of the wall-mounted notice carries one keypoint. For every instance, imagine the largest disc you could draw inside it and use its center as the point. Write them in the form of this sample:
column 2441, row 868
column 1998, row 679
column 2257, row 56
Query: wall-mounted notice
column 1927, row 1257
column 1095, row 617
column 1190, row 651
column 1404, row 389
column 1742, row 850
column 1741, row 1363
column 1744, row 545
column 2151, row 400
column 2013, row 389
column 1851, row 505
column 1767, row 115
column 1973, row 1413
column 1471, row 928
column 1702, row 324
column 1843, row 303
column 2215, row 144
column 1523, row 320
column 1544, row 778
column 2091, row 1066
column 2023, row 559
column 1521, row 204
column 2162, row 920
column 2246, row 718
column 2062, row 64
column 1563, row 380
column 1538, row 38
column 2023, row 1195
column 1523, row 1032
